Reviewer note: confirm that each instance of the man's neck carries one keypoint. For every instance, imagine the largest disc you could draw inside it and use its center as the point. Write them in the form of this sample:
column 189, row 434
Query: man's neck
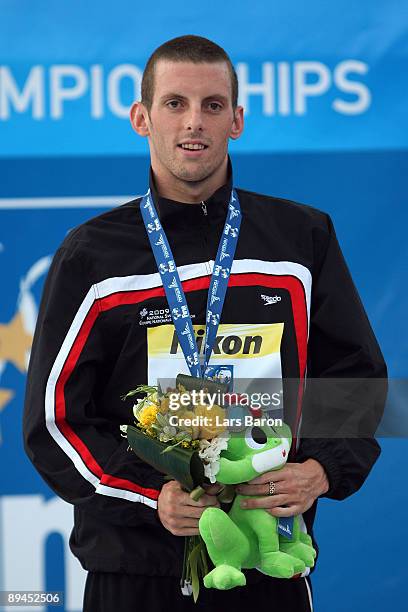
column 190, row 192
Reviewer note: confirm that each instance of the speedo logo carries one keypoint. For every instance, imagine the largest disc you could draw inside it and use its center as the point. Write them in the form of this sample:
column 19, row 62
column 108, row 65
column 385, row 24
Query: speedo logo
column 225, row 344
column 270, row 299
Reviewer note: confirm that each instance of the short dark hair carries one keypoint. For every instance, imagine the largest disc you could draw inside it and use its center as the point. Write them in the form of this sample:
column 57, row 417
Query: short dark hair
column 187, row 48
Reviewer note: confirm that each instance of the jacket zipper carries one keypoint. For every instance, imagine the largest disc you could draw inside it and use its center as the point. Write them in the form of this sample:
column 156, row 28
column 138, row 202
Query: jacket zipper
column 204, row 207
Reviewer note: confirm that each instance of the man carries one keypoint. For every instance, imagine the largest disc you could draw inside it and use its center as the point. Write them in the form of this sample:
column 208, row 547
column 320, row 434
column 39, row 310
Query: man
column 104, row 316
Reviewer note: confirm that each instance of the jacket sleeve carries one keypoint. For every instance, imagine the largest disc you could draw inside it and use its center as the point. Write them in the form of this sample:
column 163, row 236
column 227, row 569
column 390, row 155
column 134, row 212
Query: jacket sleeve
column 346, row 385
column 81, row 456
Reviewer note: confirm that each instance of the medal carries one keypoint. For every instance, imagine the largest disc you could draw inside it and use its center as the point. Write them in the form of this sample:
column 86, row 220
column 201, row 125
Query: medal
column 192, row 383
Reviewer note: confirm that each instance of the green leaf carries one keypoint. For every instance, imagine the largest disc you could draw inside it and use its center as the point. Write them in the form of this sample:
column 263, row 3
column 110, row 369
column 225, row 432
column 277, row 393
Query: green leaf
column 161, row 419
column 193, row 563
column 182, row 435
column 183, row 464
column 140, row 389
column 170, row 447
column 204, row 561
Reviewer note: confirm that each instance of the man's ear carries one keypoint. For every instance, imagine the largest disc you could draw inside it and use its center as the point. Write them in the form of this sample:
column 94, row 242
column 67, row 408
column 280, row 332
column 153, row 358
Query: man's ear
column 139, row 118
column 238, row 123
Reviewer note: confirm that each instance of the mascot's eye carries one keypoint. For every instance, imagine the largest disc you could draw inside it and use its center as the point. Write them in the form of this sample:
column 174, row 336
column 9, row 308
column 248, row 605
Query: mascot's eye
column 255, row 437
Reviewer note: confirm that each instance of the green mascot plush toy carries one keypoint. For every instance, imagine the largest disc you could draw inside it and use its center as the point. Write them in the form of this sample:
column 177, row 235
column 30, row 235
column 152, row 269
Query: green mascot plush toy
column 249, row 538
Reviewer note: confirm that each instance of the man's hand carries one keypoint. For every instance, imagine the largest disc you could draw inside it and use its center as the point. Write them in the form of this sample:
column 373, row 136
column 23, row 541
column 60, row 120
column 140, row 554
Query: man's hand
column 297, row 485
column 179, row 513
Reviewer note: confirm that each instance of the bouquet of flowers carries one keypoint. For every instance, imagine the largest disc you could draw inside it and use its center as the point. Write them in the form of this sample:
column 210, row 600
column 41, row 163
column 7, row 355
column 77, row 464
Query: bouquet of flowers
column 182, row 437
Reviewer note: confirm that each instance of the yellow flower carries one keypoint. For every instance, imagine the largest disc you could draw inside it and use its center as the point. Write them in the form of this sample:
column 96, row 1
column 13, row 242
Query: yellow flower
column 212, row 426
column 164, row 405
column 147, row 415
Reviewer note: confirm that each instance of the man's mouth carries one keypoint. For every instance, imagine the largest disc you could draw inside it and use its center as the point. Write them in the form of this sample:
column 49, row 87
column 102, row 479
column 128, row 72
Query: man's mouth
column 192, row 146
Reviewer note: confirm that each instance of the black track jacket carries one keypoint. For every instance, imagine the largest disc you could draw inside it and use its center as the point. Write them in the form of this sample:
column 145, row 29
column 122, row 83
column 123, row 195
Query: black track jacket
column 103, row 294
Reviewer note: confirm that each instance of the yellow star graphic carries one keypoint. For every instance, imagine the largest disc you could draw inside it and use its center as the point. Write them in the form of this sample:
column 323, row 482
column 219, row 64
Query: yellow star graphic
column 5, row 396
column 15, row 342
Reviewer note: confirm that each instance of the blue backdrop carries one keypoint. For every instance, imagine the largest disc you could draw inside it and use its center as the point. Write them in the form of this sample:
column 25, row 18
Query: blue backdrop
column 325, row 92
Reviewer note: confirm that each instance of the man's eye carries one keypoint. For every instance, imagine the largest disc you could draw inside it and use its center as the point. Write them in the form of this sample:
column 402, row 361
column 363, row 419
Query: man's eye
column 215, row 106
column 173, row 103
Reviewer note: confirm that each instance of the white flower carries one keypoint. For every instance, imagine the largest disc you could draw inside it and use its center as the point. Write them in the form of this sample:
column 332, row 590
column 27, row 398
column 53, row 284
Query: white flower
column 153, row 398
column 169, row 431
column 136, row 407
column 211, row 470
column 210, row 454
column 212, row 449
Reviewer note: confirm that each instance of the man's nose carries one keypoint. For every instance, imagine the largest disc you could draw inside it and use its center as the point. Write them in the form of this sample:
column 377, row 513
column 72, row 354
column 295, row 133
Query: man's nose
column 194, row 119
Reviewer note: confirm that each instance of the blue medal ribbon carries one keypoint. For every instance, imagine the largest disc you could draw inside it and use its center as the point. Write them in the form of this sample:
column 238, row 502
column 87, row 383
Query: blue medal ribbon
column 172, row 284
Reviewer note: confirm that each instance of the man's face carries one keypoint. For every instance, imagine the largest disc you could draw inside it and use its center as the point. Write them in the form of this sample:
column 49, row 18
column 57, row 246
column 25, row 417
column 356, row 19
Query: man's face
column 191, row 119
